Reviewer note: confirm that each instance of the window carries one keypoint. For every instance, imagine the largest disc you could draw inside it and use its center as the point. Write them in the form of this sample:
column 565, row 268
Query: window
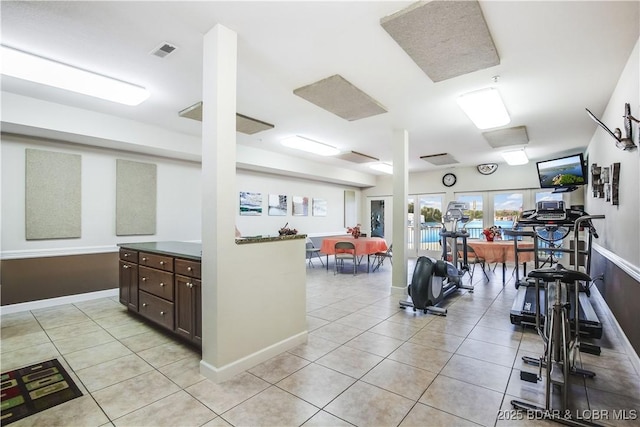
column 475, row 213
column 507, row 207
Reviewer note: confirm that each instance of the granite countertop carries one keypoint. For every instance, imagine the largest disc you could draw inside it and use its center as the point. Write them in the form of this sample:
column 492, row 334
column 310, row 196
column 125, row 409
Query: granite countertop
column 262, row 239
column 186, row 250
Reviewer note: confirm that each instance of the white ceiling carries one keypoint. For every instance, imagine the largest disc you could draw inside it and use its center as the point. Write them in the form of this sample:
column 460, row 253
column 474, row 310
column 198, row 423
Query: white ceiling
column 556, row 58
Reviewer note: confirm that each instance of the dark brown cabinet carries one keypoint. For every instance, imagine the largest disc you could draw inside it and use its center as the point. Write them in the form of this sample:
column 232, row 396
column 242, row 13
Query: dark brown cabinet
column 128, row 279
column 163, row 287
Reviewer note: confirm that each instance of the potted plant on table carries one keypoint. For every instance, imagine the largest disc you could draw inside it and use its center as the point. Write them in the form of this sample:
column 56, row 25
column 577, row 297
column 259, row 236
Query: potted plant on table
column 354, row 231
column 492, row 233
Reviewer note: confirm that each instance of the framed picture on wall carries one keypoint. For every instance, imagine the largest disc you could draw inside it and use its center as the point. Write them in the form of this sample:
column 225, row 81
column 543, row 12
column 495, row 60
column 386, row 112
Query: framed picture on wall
column 319, row 207
column 277, row 205
column 250, row 203
column 300, row 206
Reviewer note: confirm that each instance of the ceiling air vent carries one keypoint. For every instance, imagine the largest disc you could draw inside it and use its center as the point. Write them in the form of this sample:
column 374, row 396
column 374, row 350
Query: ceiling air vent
column 163, row 50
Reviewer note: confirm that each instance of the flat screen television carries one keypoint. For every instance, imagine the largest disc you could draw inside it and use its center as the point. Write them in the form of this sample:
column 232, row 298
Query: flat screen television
column 562, row 174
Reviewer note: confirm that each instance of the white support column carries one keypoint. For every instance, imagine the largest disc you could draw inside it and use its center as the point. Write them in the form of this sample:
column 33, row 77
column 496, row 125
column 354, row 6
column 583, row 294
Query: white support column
column 400, row 141
column 219, row 198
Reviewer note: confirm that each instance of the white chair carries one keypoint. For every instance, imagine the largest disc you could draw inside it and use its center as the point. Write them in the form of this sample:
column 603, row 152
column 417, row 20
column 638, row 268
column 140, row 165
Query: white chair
column 345, row 251
column 313, row 251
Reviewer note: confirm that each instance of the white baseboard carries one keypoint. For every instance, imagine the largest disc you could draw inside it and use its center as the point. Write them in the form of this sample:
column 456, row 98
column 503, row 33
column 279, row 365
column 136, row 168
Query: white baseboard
column 228, row 371
column 52, row 302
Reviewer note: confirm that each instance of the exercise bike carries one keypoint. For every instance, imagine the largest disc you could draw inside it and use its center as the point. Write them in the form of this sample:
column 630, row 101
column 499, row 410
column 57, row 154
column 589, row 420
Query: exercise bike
column 433, row 280
column 561, row 342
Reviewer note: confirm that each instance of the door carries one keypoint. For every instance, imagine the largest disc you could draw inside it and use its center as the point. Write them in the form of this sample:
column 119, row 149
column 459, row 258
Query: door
column 377, row 218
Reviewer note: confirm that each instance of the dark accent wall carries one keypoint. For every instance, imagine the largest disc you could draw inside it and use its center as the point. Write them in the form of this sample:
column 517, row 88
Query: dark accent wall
column 32, row 279
column 621, row 293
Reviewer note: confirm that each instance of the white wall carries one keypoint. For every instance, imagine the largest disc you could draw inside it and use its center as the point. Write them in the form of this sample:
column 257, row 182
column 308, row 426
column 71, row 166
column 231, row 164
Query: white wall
column 621, row 230
column 266, row 184
column 178, row 200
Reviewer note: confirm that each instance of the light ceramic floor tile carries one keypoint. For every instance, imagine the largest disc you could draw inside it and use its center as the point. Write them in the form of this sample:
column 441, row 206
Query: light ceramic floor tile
column 525, row 390
column 412, row 318
column 399, row 378
column 350, row 361
column 96, row 355
column 116, row 400
column 375, row 343
column 279, row 367
column 328, row 313
column 421, row 415
column 146, row 340
column 108, row 373
column 495, row 336
column 337, row 333
column 488, row 352
column 421, row 357
column 324, row 419
column 220, row 397
column 128, row 329
column 433, row 339
column 359, row 321
column 401, row 331
column 450, row 326
column 18, row 329
column 314, row 348
column 73, row 330
column 166, row 353
column 363, row 404
column 28, row 356
column 480, row 404
column 314, row 323
column 621, row 410
column 272, row 407
column 80, row 342
column 178, row 409
column 478, row 372
column 316, row 384
column 22, row 341
column 185, row 372
column 217, row 422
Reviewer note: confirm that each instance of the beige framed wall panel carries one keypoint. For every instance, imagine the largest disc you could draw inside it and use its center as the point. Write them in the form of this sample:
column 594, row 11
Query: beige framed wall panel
column 136, row 198
column 53, row 184
column 34, row 279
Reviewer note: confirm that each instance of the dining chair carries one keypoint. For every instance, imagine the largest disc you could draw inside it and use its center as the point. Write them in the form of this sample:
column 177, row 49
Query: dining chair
column 474, row 258
column 311, row 252
column 379, row 257
column 345, row 251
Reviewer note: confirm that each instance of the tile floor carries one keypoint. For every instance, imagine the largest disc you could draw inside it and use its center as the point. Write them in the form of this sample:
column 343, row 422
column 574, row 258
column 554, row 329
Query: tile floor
column 366, row 363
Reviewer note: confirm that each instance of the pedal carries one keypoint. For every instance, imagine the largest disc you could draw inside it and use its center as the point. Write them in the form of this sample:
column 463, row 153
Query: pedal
column 557, row 375
column 529, row 377
column 589, row 348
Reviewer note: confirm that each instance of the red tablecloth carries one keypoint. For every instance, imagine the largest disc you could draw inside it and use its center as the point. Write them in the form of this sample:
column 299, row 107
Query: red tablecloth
column 501, row 250
column 364, row 245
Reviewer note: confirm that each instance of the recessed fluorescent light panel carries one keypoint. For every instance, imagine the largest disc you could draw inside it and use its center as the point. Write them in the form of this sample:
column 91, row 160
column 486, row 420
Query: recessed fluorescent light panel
column 382, row 167
column 440, row 159
column 485, row 108
column 515, row 157
column 33, row 68
column 310, row 146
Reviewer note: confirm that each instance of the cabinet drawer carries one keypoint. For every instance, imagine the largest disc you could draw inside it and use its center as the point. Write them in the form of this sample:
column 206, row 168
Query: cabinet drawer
column 156, row 309
column 128, row 255
column 156, row 282
column 156, row 261
column 187, row 268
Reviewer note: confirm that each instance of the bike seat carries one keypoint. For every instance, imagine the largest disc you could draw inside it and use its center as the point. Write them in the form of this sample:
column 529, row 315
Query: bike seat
column 558, row 273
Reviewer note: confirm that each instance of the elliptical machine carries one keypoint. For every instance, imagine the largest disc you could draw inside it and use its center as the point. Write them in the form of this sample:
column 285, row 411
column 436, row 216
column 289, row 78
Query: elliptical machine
column 433, row 280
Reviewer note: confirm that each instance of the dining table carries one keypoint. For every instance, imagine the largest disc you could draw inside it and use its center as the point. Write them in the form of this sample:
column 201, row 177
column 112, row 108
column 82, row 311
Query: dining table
column 503, row 251
column 364, row 246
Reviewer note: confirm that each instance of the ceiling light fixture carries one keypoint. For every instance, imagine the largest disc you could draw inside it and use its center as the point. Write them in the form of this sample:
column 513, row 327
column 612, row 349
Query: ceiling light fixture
column 26, row 66
column 310, row 146
column 382, row 167
column 485, row 108
column 515, row 157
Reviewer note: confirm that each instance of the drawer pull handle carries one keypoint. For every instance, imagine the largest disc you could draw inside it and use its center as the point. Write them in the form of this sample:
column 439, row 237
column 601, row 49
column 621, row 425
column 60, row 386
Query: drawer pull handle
column 126, row 255
column 161, row 262
column 162, row 313
column 189, row 269
column 161, row 284
column 144, row 258
column 189, row 285
column 144, row 279
column 125, row 266
column 144, row 304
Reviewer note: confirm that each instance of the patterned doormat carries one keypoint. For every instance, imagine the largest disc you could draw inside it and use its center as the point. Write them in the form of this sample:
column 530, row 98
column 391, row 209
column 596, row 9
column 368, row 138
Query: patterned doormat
column 35, row 388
